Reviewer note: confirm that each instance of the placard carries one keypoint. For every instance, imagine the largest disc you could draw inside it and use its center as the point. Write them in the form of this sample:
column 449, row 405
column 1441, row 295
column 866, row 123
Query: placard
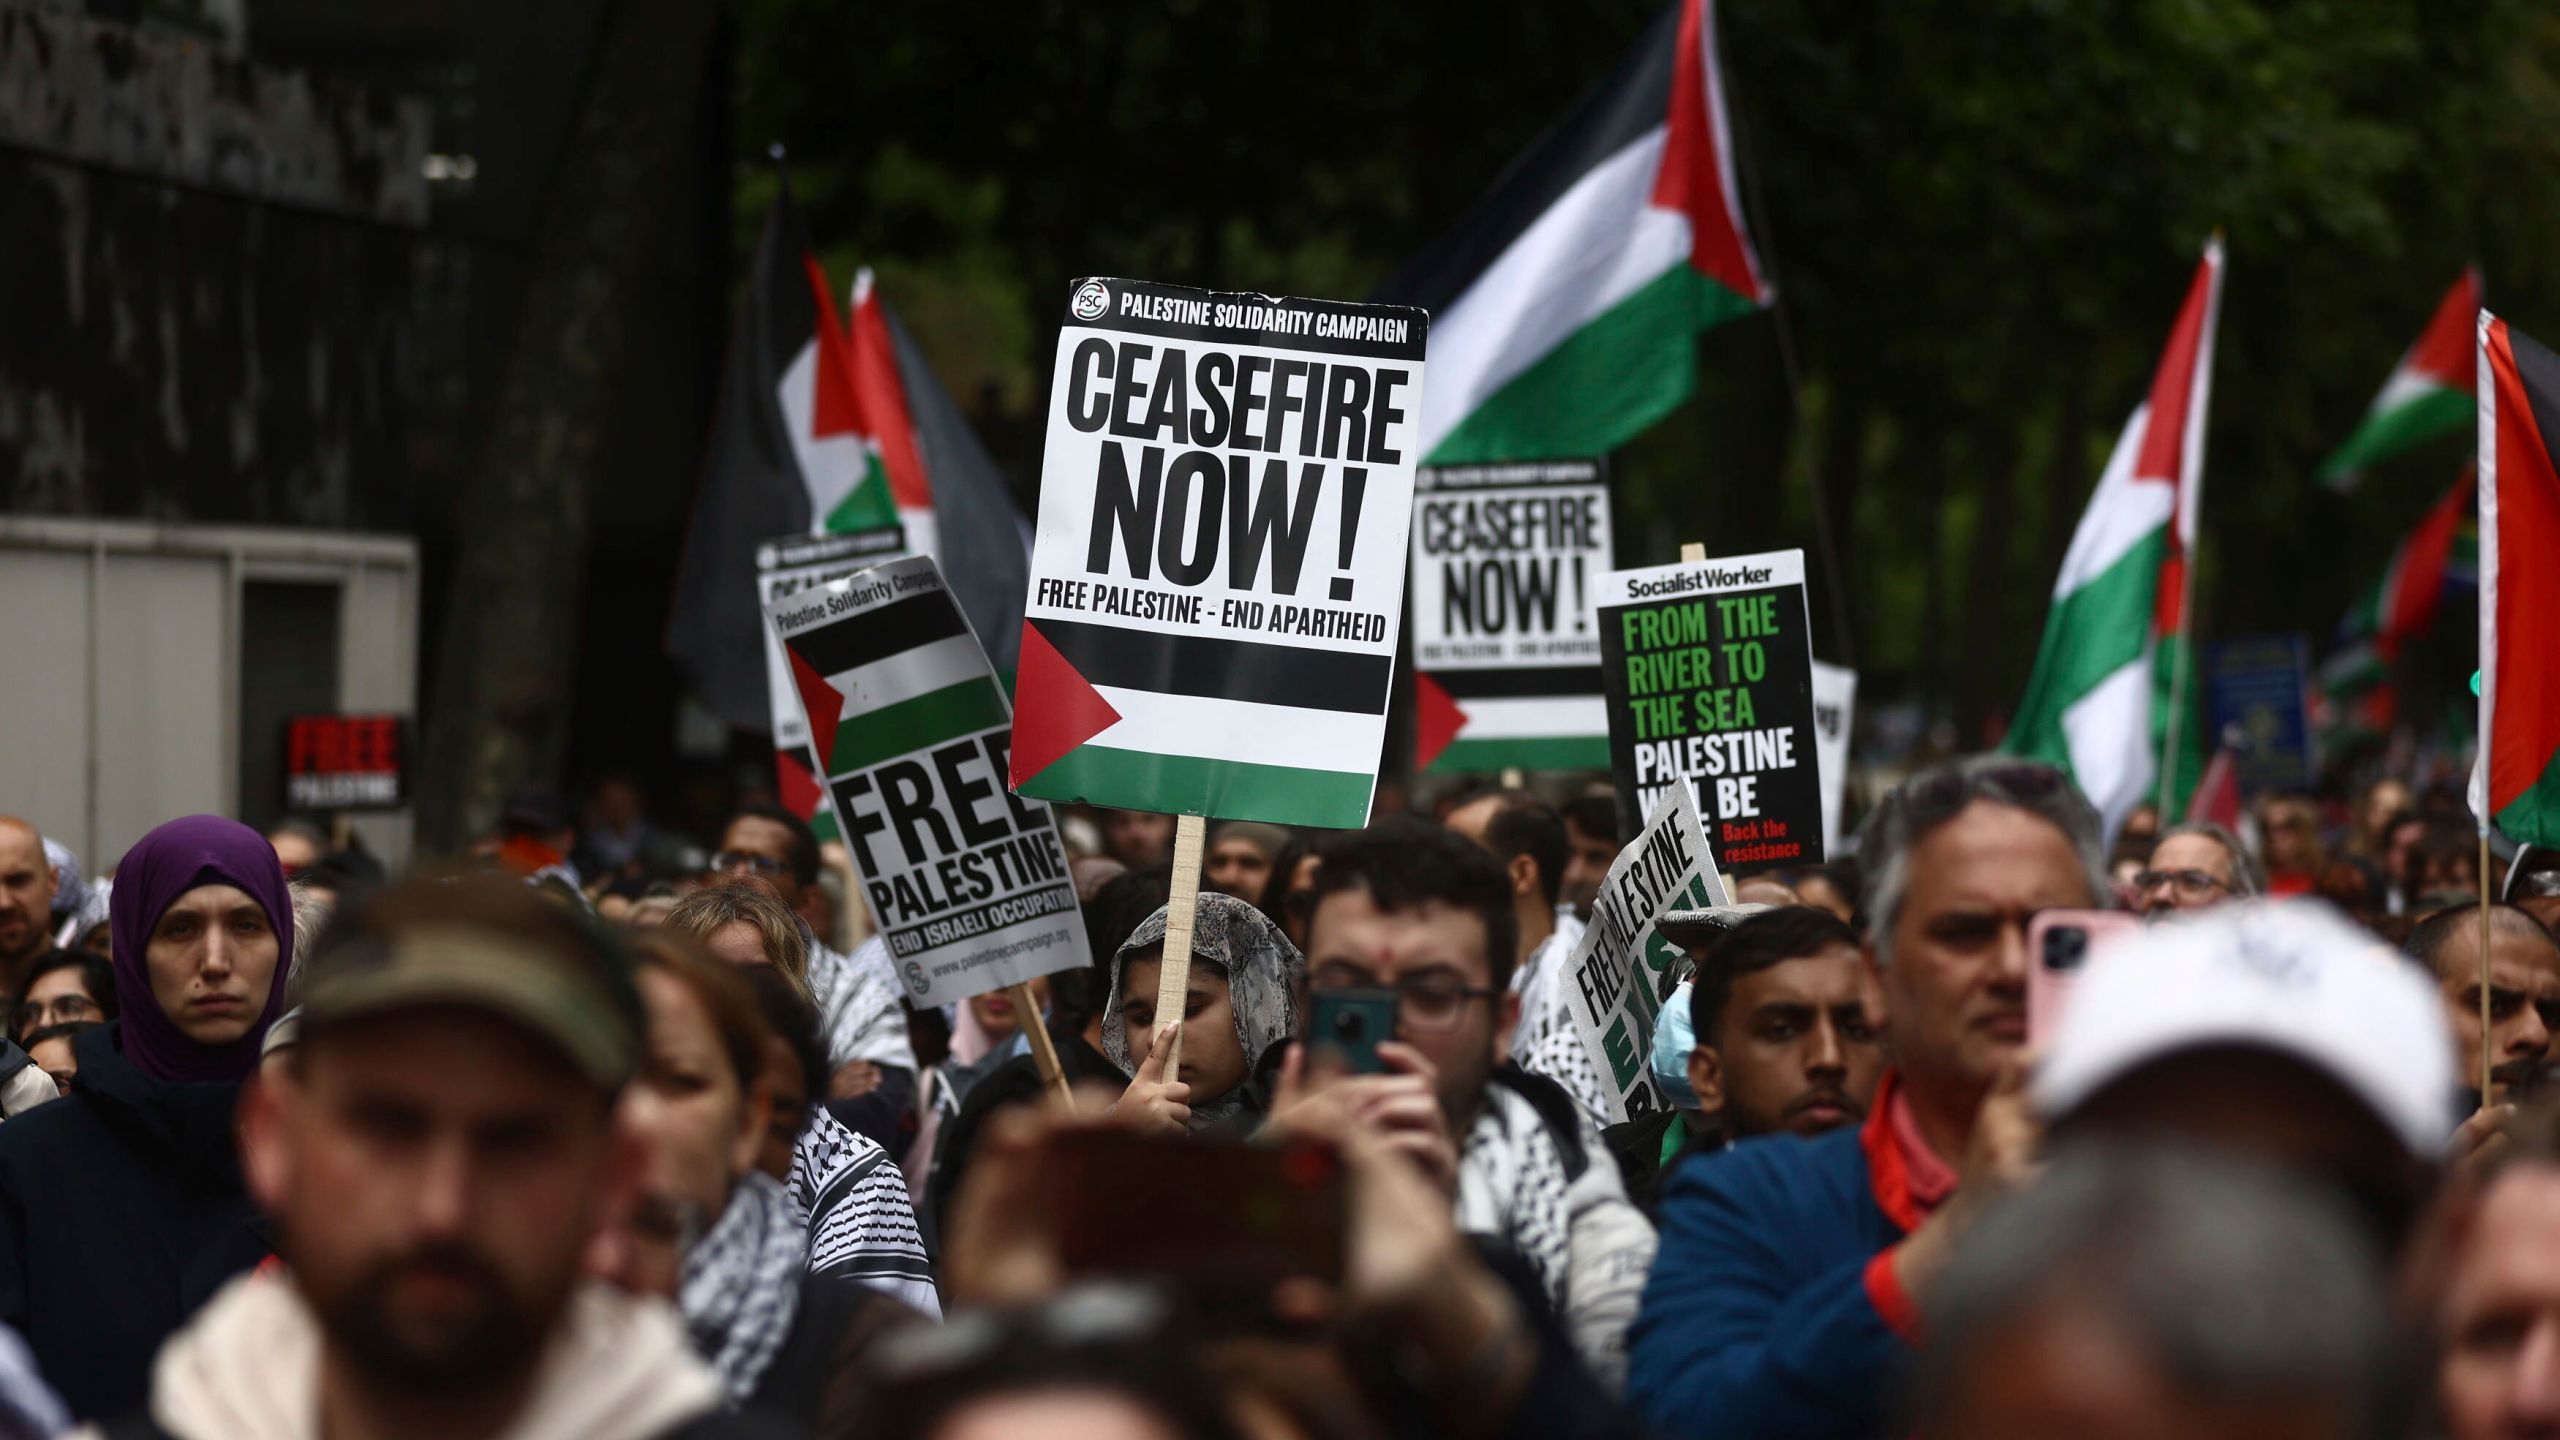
column 967, row 884
column 1219, row 571
column 1835, row 714
column 2259, row 693
column 1506, row 662
column 1709, row 673
column 346, row 762
column 1614, row 979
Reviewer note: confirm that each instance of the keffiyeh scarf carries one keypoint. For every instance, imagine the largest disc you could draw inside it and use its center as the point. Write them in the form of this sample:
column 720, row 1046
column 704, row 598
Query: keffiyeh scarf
column 861, row 1224
column 741, row 1284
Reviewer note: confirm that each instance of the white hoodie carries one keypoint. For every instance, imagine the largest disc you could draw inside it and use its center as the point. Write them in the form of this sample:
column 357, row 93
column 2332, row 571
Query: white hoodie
column 247, row 1367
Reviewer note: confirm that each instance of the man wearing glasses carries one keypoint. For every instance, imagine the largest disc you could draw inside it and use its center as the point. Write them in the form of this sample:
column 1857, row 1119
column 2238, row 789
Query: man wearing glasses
column 1786, row 1293
column 1414, row 910
column 2195, row 866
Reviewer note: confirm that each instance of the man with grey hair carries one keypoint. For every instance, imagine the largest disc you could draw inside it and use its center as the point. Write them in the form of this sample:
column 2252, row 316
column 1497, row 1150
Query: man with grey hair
column 2193, row 867
column 2143, row 1290
column 1782, row 1300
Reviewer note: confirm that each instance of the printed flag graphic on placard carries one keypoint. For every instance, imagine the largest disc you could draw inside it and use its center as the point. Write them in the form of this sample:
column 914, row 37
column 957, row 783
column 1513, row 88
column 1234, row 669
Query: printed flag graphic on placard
column 788, row 565
column 968, row 884
column 2427, row 395
column 2517, row 783
column 1506, row 664
column 825, row 429
column 1220, row 565
column 2099, row 702
column 1566, row 305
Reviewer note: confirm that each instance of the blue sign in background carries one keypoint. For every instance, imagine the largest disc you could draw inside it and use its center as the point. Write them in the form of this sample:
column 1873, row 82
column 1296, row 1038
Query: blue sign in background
column 2258, row 699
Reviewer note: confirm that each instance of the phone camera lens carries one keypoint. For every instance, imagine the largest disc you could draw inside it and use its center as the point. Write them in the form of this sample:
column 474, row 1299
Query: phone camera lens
column 1349, row 1025
column 2065, row 947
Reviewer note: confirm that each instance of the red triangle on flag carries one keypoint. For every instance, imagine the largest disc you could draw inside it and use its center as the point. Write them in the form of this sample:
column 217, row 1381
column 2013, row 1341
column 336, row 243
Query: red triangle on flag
column 1437, row 719
column 821, row 702
column 796, row 786
column 1054, row 708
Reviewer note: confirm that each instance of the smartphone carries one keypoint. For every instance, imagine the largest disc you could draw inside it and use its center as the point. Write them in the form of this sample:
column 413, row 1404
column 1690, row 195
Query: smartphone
column 2060, row 944
column 1221, row 1221
column 1345, row 1026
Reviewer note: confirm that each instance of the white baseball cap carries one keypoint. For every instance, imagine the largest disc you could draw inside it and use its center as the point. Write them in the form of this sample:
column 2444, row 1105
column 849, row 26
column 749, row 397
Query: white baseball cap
column 2289, row 976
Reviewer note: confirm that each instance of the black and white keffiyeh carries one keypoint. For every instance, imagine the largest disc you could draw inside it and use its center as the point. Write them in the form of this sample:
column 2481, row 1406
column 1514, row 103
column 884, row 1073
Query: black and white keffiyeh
column 859, row 1014
column 741, row 1284
column 1511, row 1186
column 861, row 1223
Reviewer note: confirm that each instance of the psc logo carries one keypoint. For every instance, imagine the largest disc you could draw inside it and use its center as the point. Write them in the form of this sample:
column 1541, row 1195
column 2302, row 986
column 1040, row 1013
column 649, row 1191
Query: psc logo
column 1091, row 300
column 915, row 978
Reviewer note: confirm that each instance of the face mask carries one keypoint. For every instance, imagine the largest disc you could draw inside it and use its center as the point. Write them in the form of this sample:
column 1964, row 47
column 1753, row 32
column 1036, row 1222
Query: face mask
column 1673, row 1039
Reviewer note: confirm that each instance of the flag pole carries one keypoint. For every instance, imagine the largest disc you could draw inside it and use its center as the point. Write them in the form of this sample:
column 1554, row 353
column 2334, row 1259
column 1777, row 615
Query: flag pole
column 2484, row 965
column 1181, row 908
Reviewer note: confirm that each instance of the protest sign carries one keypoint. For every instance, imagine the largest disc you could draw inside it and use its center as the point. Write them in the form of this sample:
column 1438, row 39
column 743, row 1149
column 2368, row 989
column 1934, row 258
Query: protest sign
column 1835, row 709
column 787, row 566
column 1709, row 673
column 1615, row 975
column 2259, row 703
column 1219, row 570
column 1506, row 664
column 967, row 884
column 346, row 762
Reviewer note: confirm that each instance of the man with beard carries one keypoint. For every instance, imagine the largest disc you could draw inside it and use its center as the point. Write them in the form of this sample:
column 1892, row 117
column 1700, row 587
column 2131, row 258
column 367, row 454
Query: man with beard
column 2524, row 991
column 1790, row 1026
column 439, row 1154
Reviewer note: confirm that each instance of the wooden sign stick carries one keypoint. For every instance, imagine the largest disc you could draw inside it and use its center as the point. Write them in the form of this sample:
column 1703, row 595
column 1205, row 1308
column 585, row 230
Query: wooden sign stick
column 1693, row 553
column 2485, row 1097
column 1181, row 908
column 1044, row 1052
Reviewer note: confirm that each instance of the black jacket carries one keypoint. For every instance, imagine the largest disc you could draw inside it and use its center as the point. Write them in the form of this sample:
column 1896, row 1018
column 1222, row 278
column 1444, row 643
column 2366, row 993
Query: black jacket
column 121, row 1211
column 813, row 1386
column 1015, row 1082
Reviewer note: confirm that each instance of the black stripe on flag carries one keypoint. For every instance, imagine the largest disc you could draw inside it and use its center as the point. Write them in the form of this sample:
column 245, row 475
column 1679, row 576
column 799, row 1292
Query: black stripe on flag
column 1516, row 684
column 1218, row 669
column 875, row 635
column 1607, row 119
column 2539, row 369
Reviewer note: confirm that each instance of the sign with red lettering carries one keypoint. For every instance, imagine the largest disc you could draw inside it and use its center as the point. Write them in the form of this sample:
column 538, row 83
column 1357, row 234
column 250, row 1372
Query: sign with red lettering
column 346, row 762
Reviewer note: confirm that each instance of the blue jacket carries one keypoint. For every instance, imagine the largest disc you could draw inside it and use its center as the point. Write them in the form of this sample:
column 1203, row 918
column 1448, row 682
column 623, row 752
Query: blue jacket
column 1761, row 1318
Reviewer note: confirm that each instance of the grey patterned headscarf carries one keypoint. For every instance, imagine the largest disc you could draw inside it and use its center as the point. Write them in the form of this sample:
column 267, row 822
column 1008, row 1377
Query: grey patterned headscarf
column 1262, row 970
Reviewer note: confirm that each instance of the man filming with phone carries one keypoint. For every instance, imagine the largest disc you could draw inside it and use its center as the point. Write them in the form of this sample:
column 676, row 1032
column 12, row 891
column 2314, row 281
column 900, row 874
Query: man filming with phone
column 1413, row 912
column 1785, row 1295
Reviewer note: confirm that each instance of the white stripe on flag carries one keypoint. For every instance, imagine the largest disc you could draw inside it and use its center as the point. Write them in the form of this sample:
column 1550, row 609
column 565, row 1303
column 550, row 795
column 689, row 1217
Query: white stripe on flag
column 2109, row 730
column 1599, row 243
column 1240, row 730
column 2487, row 472
column 910, row 673
column 2121, row 514
column 1534, row 717
column 830, row 468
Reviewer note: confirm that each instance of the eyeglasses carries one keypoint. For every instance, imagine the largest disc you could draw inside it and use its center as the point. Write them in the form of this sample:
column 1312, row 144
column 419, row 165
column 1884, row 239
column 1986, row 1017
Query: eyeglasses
column 1938, row 794
column 60, row 1010
column 728, row 860
column 1430, row 1005
column 2188, row 884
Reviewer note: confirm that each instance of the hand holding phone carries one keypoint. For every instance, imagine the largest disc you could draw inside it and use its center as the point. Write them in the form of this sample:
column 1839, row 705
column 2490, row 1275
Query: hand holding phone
column 1344, row 1028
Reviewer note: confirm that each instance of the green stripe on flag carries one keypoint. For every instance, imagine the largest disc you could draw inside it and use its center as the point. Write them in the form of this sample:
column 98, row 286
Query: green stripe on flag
column 2092, row 633
column 1186, row 785
column 912, row 724
column 1550, row 752
column 2402, row 427
column 1620, row 372
column 2533, row 818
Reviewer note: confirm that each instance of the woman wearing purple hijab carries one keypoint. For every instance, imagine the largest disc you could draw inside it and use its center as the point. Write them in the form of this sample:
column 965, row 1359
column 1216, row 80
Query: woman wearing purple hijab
column 121, row 1206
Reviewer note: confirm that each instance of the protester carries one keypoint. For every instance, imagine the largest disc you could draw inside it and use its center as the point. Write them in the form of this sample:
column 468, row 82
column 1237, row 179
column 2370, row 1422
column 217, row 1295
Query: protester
column 784, row 1343
column 121, row 1208
column 2277, row 1032
column 1526, row 836
column 857, row 997
column 2378, row 809
column 299, row 843
column 439, row 1153
column 989, row 1034
column 69, row 891
column 1289, row 897
column 2533, row 884
column 2290, row 827
column 2486, row 1283
column 1833, row 887
column 1137, row 838
column 1241, row 855
column 1782, row 1301
column 1408, row 907
column 2193, row 866
column 2139, row 1292
column 26, row 902
column 1244, row 981
column 2524, row 993
column 1789, row 1024
column 66, row 986
column 1591, row 844
column 795, row 1065
column 54, row 1050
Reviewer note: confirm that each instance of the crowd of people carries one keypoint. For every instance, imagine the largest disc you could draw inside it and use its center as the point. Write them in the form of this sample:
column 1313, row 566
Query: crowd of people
column 602, row 1133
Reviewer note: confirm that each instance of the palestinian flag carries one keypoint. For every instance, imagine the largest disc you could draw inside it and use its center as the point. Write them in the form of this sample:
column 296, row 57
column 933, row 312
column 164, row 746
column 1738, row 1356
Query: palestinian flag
column 2517, row 784
column 2428, row 394
column 2111, row 673
column 1565, row 307
column 829, row 428
column 892, row 680
column 2438, row 559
